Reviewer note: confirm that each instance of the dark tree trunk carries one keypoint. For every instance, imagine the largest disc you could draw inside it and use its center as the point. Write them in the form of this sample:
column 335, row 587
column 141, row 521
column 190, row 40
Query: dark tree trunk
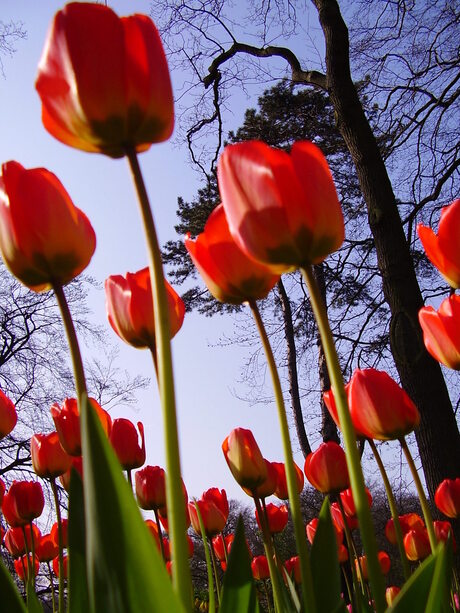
column 438, row 437
column 328, row 428
column 292, row 370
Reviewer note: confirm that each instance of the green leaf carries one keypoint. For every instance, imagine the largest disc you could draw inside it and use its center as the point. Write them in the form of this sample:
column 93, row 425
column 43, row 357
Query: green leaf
column 78, row 600
column 125, row 571
column 33, row 604
column 239, row 592
column 325, row 566
column 414, row 594
column 438, row 599
column 11, row 600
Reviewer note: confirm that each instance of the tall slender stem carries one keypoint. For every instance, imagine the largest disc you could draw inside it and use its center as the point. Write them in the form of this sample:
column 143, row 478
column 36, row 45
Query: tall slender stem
column 393, row 509
column 61, row 544
column 421, row 494
column 214, row 568
column 270, row 555
column 212, row 602
column 53, row 596
column 291, row 479
column 174, row 494
column 353, row 459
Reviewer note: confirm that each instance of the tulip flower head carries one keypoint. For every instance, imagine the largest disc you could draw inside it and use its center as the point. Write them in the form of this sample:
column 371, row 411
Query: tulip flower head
column 443, row 531
column 47, row 548
column 391, row 593
column 379, row 407
column 244, row 458
column 326, row 468
column 24, row 565
column 441, row 331
column 312, row 526
column 282, row 209
column 125, row 441
column 219, row 498
column 277, row 517
column 55, row 565
column 442, row 249
column 230, row 275
column 384, row 561
column 409, row 521
column 48, row 457
column 259, row 567
column 338, row 518
column 213, row 519
column 23, row 502
column 2, row 492
column 104, row 82
column 77, row 465
column 44, row 239
column 8, row 415
column 15, row 542
column 150, row 487
column 417, row 545
column 281, row 490
column 55, row 531
column 348, row 503
column 129, row 307
column 447, row 497
column 268, row 487
column 293, row 569
column 222, row 545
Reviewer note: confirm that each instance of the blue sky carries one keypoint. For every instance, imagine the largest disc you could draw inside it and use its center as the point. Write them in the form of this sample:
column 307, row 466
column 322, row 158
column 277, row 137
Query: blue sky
column 207, row 374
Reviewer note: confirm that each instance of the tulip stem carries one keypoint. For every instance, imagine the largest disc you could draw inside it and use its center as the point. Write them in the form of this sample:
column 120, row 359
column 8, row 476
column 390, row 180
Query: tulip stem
column 214, row 568
column 61, row 544
column 349, row 437
column 174, row 494
column 291, row 479
column 53, row 595
column 160, row 534
column 212, row 602
column 393, row 509
column 421, row 494
column 270, row 555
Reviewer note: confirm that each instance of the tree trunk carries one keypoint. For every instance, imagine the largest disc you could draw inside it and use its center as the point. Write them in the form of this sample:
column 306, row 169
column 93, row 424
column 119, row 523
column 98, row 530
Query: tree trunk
column 328, row 428
column 438, row 437
column 292, row 370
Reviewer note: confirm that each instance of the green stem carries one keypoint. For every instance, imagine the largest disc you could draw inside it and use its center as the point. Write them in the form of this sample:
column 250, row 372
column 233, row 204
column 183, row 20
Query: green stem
column 53, row 595
column 61, row 545
column 294, row 498
column 349, row 437
column 77, row 363
column 421, row 494
column 214, row 568
column 393, row 509
column 270, row 555
column 160, row 534
column 355, row 565
column 212, row 601
column 174, row 494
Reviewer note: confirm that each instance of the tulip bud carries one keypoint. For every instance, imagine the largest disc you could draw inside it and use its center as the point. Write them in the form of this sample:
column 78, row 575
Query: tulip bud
column 417, row 545
column 125, row 442
column 260, row 569
column 48, row 457
column 277, row 517
column 23, row 502
column 281, row 490
column 441, row 331
column 8, row 415
column 25, row 565
column 213, row 519
column 150, row 487
column 326, row 468
column 391, row 593
column 447, row 497
column 47, row 549
column 244, row 458
column 293, row 569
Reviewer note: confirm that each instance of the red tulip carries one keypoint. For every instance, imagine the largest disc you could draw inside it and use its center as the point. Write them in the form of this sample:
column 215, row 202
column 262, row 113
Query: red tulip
column 409, row 521
column 153, row 529
column 417, row 545
column 260, row 570
column 293, row 569
column 47, row 549
column 22, row 566
column 150, row 487
column 129, row 305
column 342, row 554
column 2, row 492
column 219, row 498
column 17, row 544
column 44, row 239
column 442, row 249
column 77, row 464
column 125, row 442
column 267, row 488
column 281, row 490
column 213, row 519
column 349, row 504
column 326, row 468
column 441, row 331
column 379, row 407
column 338, row 518
column 104, row 81
column 312, row 527
column 447, row 497
column 48, row 457
column 8, row 415
column 56, row 565
column 282, row 209
column 384, row 560
column 244, row 458
column 23, row 502
column 443, row 531
column 277, row 517
column 222, row 545
column 391, row 593
column 67, row 422
column 55, row 532
column 230, row 275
